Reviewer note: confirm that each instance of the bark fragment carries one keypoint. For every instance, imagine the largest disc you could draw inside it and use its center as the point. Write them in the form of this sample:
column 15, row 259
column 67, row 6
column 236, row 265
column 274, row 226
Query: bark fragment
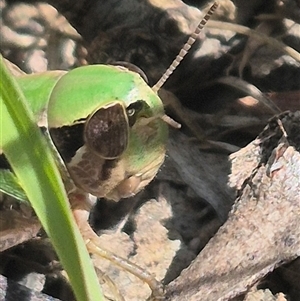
column 262, row 231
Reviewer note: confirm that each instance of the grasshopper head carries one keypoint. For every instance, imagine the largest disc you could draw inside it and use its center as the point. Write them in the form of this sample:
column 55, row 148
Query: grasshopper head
column 116, row 148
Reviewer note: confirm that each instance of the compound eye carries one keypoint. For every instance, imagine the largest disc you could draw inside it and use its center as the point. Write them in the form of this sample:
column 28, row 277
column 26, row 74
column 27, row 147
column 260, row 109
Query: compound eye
column 130, row 112
column 133, row 111
column 106, row 131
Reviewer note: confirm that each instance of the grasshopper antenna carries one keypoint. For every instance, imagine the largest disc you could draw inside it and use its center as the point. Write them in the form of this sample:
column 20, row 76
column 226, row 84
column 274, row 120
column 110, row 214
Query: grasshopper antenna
column 184, row 50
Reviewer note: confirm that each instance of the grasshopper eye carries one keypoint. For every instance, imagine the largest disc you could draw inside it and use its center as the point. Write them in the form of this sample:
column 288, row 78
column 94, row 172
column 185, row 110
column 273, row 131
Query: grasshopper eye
column 130, row 112
column 133, row 111
column 106, row 131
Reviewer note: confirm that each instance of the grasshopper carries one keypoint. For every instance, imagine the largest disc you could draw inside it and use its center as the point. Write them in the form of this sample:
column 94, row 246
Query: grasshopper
column 109, row 133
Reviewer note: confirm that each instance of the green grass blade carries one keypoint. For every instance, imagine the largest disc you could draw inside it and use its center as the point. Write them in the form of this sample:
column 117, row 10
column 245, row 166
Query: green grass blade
column 32, row 162
column 10, row 185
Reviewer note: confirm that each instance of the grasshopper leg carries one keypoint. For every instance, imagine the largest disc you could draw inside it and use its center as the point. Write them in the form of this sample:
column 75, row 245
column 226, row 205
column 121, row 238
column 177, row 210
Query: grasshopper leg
column 80, row 207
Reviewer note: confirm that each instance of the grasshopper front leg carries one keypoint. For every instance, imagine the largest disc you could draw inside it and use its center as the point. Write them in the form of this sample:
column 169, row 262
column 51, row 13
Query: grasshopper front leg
column 80, row 205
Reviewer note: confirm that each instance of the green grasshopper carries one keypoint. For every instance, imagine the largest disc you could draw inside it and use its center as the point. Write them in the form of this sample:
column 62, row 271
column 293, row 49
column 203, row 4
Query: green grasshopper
column 110, row 130
column 127, row 116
